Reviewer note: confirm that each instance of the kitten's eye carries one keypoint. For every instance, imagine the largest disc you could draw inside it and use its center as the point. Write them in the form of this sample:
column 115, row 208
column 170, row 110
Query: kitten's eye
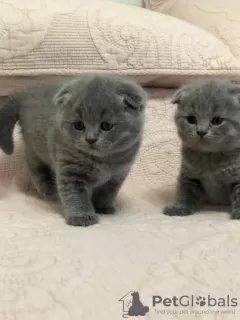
column 106, row 126
column 216, row 121
column 79, row 125
column 191, row 119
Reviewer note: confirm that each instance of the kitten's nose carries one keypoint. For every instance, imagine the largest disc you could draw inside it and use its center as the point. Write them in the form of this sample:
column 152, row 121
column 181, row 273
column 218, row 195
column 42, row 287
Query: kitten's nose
column 201, row 133
column 91, row 140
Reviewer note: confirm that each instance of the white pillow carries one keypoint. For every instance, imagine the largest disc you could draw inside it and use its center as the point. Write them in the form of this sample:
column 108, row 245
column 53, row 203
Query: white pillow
column 70, row 37
column 219, row 17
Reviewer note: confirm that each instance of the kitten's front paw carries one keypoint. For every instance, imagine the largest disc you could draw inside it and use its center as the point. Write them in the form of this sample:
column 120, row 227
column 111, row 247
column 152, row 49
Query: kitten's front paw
column 174, row 209
column 84, row 220
column 235, row 215
column 105, row 210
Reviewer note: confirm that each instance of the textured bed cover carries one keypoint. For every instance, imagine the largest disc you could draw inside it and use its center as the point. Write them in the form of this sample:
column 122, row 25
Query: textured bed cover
column 51, row 271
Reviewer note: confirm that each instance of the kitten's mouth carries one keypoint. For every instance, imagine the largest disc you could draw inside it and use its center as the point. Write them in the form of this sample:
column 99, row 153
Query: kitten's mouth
column 106, row 145
column 202, row 140
column 199, row 143
column 203, row 144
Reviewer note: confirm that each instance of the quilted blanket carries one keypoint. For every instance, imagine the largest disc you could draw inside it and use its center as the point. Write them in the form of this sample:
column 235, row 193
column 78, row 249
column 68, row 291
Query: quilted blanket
column 136, row 262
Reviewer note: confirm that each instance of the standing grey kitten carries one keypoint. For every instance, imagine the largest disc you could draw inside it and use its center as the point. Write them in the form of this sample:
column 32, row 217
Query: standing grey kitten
column 208, row 123
column 81, row 138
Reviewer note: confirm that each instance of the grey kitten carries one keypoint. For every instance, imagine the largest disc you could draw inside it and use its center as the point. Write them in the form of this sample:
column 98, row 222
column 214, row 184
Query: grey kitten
column 208, row 123
column 81, row 138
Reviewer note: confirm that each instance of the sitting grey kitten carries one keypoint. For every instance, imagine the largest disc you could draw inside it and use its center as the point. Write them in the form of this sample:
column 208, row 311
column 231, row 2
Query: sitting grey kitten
column 208, row 123
column 81, row 139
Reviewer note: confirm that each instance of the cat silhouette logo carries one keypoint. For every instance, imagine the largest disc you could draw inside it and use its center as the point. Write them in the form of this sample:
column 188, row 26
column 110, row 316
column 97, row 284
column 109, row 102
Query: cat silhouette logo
column 132, row 305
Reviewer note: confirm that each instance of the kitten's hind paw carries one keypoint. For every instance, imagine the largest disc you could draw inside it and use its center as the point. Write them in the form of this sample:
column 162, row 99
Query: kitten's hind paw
column 84, row 220
column 235, row 215
column 105, row 210
column 174, row 209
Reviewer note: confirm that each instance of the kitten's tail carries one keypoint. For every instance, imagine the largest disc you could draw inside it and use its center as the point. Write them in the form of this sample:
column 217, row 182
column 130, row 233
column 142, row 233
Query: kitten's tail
column 9, row 115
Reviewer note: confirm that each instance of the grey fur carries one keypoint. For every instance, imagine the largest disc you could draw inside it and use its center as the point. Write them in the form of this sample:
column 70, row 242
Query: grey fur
column 210, row 167
column 85, row 175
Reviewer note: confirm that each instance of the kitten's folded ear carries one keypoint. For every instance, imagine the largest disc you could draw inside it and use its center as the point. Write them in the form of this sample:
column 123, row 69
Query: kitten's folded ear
column 234, row 88
column 9, row 115
column 6, row 140
column 63, row 96
column 134, row 96
column 181, row 93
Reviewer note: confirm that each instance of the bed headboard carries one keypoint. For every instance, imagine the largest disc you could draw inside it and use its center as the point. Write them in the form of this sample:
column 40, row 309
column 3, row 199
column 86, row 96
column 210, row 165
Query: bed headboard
column 138, row 3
